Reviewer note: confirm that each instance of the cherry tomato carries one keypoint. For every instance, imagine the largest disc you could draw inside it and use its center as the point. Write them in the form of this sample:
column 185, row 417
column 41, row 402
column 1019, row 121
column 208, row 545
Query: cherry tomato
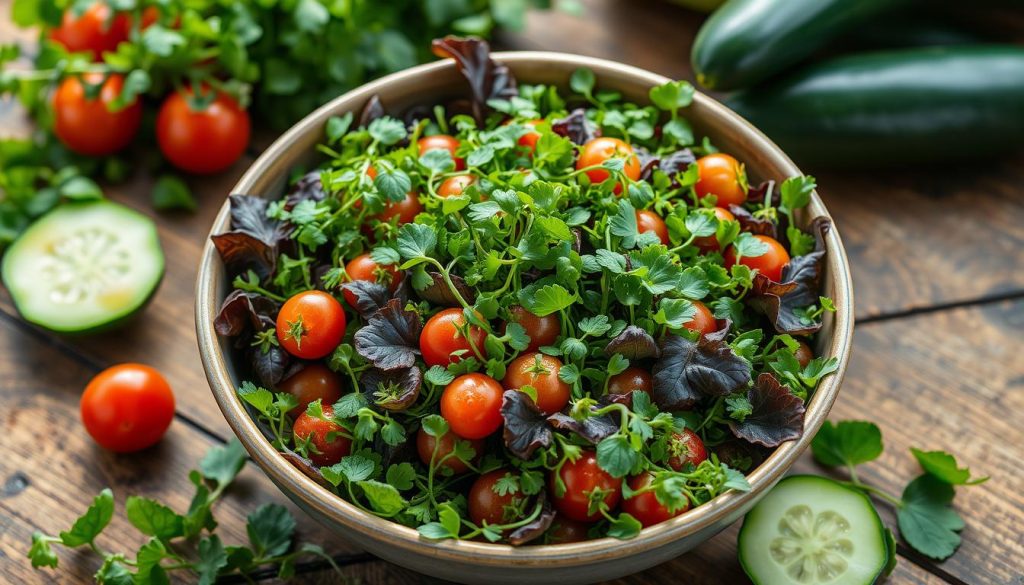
column 710, row 243
column 529, row 140
column 405, row 210
column 425, row 447
column 565, row 531
column 686, row 447
column 541, row 372
column 633, row 379
column 703, row 321
column 313, row 382
column 648, row 221
column 363, row 267
column 601, row 149
column 205, row 140
column 645, row 507
column 543, row 331
column 581, row 478
column 487, row 506
column 443, row 334
column 721, row 175
column 87, row 126
column 769, row 264
column 472, row 405
column 437, row 141
column 127, row 407
column 96, row 30
column 804, row 354
column 455, row 185
column 329, row 444
column 310, row 324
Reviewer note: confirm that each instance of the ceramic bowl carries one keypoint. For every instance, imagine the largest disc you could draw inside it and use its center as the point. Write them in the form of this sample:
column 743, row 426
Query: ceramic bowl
column 477, row 562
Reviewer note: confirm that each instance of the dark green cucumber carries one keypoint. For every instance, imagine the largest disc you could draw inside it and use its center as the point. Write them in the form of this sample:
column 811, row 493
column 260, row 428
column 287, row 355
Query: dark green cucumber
column 747, row 41
column 896, row 107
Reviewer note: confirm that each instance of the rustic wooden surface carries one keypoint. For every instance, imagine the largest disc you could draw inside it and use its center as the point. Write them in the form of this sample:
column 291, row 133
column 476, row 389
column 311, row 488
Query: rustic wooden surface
column 938, row 262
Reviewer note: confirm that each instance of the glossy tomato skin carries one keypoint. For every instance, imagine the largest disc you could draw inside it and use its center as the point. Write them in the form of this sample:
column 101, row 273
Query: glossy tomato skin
column 804, row 354
column 529, row 140
column 441, row 337
column 541, row 372
column 769, row 264
column 202, row 141
column 93, row 31
column 686, row 447
column 363, row 268
column 582, row 477
column 127, row 407
column 405, row 210
column 455, row 185
column 565, row 531
column 648, row 221
column 87, row 126
column 313, row 382
column 310, row 324
column 487, row 506
column 645, row 507
column 442, row 141
column 601, row 149
column 425, row 448
column 543, row 331
column 708, row 244
column 722, row 176
column 703, row 321
column 633, row 379
column 471, row 404
column 330, row 450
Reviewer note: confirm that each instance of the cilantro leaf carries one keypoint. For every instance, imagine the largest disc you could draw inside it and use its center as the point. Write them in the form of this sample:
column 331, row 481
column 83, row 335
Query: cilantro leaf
column 270, row 530
column 672, row 95
column 616, row 455
column 223, row 462
column 383, row 498
column 401, row 475
column 623, row 224
column 153, row 518
column 943, row 466
column 41, row 553
column 848, row 443
column 90, row 524
column 416, row 241
column 212, row 558
column 796, row 192
column 927, row 521
column 624, row 527
column 546, row 300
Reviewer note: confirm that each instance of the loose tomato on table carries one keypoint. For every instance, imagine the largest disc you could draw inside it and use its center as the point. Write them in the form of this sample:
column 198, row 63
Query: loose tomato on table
column 581, row 478
column 769, row 264
column 632, row 379
column 703, row 320
column 127, row 407
column 96, row 30
column 648, row 221
column 85, row 123
column 722, row 176
column 539, row 371
column 363, row 268
column 313, row 382
column 543, row 331
column 441, row 141
column 202, row 134
column 707, row 244
column 327, row 439
column 445, row 333
column 310, row 324
column 455, row 185
column 645, row 507
column 425, row 444
column 598, row 150
column 471, row 404
column 487, row 506
column 686, row 448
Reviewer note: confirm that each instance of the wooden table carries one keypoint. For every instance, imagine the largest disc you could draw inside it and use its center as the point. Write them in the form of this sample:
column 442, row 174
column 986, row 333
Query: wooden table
column 938, row 266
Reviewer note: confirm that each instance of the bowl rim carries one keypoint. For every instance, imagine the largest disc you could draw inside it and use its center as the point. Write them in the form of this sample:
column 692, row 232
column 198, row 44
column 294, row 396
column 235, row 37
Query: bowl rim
column 319, row 500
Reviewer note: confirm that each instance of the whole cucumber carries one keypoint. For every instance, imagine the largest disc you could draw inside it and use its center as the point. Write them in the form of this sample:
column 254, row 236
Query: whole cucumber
column 895, row 107
column 747, row 41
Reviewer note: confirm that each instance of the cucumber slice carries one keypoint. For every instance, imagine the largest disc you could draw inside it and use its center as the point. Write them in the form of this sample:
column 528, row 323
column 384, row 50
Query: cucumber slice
column 811, row 530
column 84, row 267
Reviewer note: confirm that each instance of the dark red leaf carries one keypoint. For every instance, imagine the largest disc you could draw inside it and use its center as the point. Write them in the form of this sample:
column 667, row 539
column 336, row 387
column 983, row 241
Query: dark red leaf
column 690, row 370
column 526, row 428
column 249, row 215
column 390, row 339
column 242, row 310
column 488, row 79
column 777, row 416
column 766, row 190
column 372, row 110
column 740, row 454
column 634, row 344
column 538, row 527
column 269, row 366
column 307, row 188
column 392, row 389
column 252, row 243
column 670, row 164
column 576, row 127
column 594, row 428
column 438, row 293
column 370, row 296
column 752, row 224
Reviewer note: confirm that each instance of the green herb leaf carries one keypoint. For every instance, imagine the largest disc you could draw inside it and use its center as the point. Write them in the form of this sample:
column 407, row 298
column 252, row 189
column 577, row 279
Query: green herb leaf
column 222, row 463
column 616, row 455
column 943, row 466
column 796, row 192
column 270, row 530
column 41, row 554
column 624, row 527
column 387, row 130
column 212, row 558
column 401, row 476
column 90, row 524
column 582, row 81
column 547, row 299
column 153, row 518
column 672, row 95
column 383, row 498
column 171, row 193
column 847, row 443
column 927, row 521
column 416, row 241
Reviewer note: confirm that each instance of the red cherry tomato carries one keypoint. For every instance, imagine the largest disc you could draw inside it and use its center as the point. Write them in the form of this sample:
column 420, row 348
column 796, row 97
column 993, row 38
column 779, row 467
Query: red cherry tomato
column 313, row 382
column 329, row 444
column 601, row 149
column 645, row 507
column 769, row 264
column 633, row 379
column 541, row 372
column 703, row 321
column 363, row 268
column 648, row 221
column 443, row 334
column 205, row 140
column 442, row 141
column 543, row 331
column 565, row 531
column 472, row 405
column 487, row 506
column 529, row 140
column 93, row 31
column 804, row 354
column 310, row 324
column 686, row 447
column 127, row 407
column 710, row 243
column 455, row 185
column 87, row 126
column 581, row 478
column 425, row 447
column 405, row 210
column 721, row 175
